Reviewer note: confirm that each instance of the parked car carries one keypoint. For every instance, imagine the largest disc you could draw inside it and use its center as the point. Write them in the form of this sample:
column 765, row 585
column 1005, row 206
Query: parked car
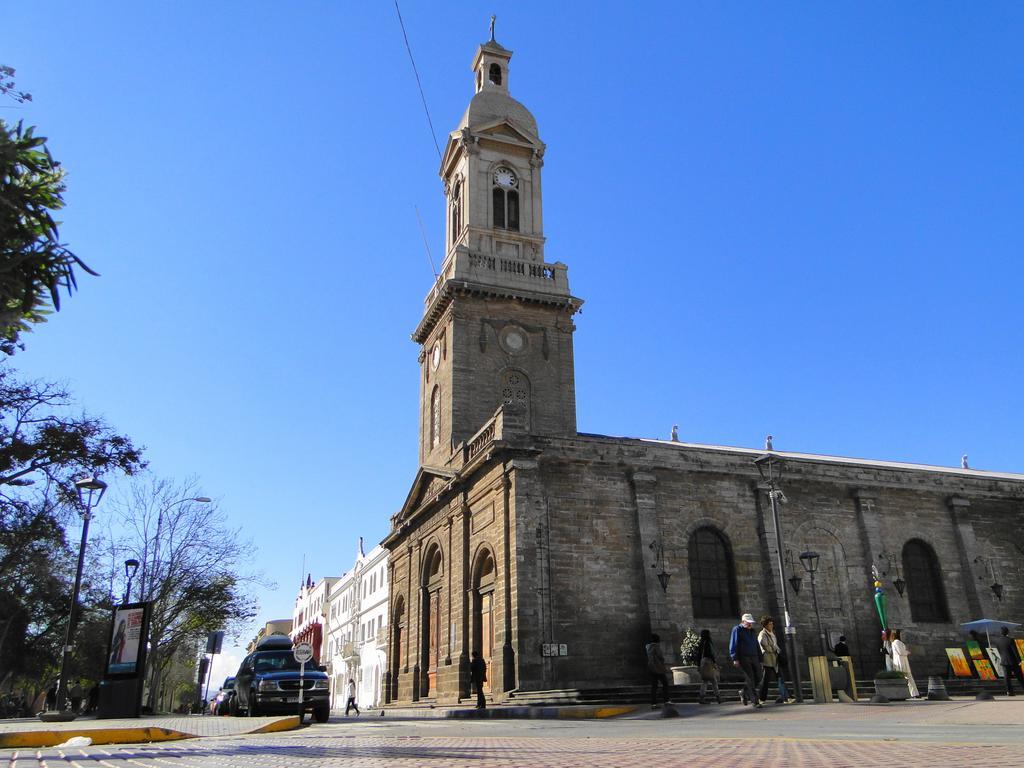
column 219, row 704
column 267, row 682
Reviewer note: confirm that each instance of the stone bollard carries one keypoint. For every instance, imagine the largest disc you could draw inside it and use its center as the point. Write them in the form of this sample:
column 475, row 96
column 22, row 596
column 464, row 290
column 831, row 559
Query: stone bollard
column 937, row 689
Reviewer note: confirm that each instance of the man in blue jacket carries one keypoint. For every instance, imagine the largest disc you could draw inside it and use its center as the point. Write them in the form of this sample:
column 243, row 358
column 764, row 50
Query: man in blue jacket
column 745, row 652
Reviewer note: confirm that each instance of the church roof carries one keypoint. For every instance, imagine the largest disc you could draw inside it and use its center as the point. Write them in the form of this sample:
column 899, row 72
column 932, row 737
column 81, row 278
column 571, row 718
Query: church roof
column 753, row 452
column 491, row 105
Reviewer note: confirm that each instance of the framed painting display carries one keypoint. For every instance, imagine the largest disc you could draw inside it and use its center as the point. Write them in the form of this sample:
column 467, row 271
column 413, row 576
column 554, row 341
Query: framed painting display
column 958, row 661
column 985, row 671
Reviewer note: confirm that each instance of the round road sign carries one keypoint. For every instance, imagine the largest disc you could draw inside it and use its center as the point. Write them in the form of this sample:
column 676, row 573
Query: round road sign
column 303, row 652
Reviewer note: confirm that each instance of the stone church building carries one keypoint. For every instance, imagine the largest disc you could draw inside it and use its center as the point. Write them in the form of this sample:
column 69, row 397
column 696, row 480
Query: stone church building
column 542, row 547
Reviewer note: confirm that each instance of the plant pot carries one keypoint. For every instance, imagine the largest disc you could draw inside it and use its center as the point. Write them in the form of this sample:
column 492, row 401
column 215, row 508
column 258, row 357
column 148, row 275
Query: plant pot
column 894, row 690
column 685, row 675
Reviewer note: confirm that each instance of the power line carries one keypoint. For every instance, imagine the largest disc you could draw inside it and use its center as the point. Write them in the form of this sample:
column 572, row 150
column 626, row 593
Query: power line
column 425, row 243
column 419, row 85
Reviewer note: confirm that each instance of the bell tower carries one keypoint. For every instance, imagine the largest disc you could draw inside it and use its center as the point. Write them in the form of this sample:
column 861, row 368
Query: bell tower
column 498, row 322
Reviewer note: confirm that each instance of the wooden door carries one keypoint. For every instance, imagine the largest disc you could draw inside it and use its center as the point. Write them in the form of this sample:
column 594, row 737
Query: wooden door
column 433, row 640
column 487, row 635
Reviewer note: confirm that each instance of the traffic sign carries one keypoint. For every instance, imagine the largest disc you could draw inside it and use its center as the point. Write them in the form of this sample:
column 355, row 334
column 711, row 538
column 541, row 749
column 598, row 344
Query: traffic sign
column 303, row 652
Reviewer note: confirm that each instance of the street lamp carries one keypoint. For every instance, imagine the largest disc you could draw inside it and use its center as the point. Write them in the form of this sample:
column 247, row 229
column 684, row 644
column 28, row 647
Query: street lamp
column 768, row 466
column 90, row 491
column 659, row 563
column 809, row 560
column 794, row 580
column 130, row 567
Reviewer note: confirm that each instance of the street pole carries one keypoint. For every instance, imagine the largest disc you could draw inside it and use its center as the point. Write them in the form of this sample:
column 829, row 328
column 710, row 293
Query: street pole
column 86, row 488
column 62, row 682
column 790, row 629
column 817, row 614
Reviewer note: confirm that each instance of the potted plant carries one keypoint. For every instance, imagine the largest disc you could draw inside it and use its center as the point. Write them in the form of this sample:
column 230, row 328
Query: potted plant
column 688, row 673
column 892, row 684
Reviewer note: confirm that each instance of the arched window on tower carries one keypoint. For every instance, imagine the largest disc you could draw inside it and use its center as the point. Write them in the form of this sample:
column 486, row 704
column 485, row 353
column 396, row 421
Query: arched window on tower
column 456, row 211
column 924, row 583
column 435, row 417
column 494, row 74
column 505, row 199
column 712, row 575
column 515, row 390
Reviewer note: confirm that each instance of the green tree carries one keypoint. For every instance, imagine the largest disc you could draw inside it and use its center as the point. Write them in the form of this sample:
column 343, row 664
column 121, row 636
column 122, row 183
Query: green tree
column 44, row 447
column 194, row 568
column 34, row 265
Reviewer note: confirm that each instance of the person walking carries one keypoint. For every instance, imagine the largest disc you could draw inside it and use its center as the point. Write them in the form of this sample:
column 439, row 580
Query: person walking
column 770, row 660
column 51, row 698
column 707, row 665
column 887, row 649
column 478, row 676
column 351, row 698
column 1009, row 658
column 745, row 653
column 901, row 662
column 658, row 669
column 76, row 697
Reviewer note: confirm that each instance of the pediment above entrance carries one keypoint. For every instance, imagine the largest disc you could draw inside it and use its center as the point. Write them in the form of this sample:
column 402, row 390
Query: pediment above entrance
column 428, row 484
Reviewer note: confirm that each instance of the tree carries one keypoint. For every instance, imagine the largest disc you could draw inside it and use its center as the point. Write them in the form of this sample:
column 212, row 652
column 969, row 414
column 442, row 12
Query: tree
column 44, row 447
column 34, row 264
column 193, row 567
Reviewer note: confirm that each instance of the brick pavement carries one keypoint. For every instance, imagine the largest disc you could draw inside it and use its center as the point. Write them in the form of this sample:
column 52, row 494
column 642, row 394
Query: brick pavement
column 536, row 752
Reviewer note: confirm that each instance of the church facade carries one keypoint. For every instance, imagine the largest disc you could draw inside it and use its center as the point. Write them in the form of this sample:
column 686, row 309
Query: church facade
column 555, row 553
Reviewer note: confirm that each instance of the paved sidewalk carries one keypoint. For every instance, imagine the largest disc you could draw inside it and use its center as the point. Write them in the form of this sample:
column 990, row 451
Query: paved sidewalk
column 32, row 732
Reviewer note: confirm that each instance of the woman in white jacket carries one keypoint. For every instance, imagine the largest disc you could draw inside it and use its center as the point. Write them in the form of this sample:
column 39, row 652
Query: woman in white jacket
column 901, row 661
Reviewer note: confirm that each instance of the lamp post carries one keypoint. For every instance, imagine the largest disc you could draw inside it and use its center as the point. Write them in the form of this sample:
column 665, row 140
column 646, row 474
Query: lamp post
column 130, row 567
column 809, row 560
column 768, row 468
column 90, row 491
column 659, row 564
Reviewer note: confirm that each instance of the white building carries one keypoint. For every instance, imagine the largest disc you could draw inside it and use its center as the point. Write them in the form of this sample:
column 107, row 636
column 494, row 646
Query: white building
column 356, row 631
column 308, row 615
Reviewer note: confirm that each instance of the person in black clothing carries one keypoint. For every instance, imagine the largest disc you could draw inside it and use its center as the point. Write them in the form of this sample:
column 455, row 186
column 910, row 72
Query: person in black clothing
column 658, row 670
column 707, row 666
column 841, row 649
column 1010, row 659
column 478, row 676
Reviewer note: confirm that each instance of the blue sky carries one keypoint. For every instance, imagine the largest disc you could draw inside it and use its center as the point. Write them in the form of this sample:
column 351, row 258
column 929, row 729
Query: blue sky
column 801, row 219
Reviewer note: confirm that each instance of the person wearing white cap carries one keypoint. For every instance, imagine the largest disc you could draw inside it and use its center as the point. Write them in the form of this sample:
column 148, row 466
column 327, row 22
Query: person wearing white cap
column 745, row 652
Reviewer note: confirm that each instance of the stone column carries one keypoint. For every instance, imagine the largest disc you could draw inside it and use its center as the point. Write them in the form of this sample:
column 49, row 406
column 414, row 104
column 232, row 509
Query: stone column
column 465, row 517
column 644, row 486
column 508, row 665
column 873, row 543
column 449, row 624
column 967, row 548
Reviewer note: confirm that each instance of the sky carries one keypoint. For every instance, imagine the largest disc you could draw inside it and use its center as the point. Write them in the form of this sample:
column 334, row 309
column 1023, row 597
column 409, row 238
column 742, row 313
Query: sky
column 800, row 219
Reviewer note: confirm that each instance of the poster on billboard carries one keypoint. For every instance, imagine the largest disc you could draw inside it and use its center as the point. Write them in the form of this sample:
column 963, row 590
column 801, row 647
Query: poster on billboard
column 129, row 622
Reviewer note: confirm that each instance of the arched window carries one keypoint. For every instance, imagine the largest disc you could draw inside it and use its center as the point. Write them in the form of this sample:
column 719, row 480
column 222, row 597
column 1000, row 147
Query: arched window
column 435, row 418
column 505, row 199
column 432, row 570
column 924, row 583
column 456, row 210
column 712, row 576
column 494, row 74
column 515, row 389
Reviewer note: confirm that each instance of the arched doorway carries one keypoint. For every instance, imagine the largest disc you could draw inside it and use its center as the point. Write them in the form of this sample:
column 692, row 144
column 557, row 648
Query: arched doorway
column 397, row 644
column 433, row 573
column 483, row 610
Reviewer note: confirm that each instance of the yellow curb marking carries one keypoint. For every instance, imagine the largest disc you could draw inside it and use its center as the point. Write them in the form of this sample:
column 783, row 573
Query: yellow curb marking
column 596, row 713
column 98, row 736
column 282, row 724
